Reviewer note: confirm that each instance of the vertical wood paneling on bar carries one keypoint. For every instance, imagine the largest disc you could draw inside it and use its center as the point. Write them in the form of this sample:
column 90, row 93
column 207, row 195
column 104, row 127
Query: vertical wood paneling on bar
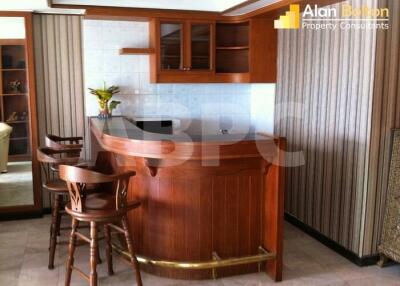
column 331, row 71
column 233, row 213
column 255, row 196
column 218, row 215
column 165, row 215
column 58, row 58
column 206, row 217
column 179, row 213
column 244, row 220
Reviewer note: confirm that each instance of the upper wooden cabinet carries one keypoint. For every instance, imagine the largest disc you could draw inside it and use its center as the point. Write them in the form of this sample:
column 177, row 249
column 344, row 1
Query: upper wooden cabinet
column 182, row 48
column 206, row 51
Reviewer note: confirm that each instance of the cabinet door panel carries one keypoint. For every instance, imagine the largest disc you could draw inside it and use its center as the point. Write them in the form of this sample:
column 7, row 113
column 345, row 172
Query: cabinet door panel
column 171, row 48
column 201, row 44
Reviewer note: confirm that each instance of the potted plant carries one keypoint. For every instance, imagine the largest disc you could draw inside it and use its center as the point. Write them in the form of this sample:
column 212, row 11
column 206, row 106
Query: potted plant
column 104, row 95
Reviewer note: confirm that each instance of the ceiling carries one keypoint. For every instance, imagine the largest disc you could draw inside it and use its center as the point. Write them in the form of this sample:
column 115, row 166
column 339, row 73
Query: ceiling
column 250, row 7
column 199, row 5
column 23, row 5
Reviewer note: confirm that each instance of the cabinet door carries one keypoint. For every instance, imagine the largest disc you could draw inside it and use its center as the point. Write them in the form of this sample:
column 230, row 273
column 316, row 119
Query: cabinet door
column 171, row 46
column 201, row 46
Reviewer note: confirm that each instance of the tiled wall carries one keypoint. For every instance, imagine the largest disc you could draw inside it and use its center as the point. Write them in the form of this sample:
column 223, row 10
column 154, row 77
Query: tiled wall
column 199, row 107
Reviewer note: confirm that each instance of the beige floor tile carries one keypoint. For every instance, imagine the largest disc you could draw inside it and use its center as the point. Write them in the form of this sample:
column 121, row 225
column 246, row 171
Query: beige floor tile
column 24, row 259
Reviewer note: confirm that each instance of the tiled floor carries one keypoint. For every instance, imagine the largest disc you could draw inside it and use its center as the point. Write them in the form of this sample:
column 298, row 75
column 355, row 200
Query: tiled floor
column 23, row 262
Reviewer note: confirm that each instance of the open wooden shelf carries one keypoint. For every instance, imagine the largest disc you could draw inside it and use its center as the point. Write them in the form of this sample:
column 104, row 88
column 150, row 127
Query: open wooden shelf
column 232, row 50
column 136, row 51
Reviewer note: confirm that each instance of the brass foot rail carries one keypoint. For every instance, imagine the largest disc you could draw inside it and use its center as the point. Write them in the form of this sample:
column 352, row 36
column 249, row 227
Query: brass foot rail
column 217, row 262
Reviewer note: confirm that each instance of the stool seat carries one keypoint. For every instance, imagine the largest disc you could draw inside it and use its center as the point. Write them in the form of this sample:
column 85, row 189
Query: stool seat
column 100, row 207
column 60, row 186
column 56, row 185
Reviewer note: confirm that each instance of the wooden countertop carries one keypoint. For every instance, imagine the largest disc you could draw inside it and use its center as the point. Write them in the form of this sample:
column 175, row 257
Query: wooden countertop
column 121, row 136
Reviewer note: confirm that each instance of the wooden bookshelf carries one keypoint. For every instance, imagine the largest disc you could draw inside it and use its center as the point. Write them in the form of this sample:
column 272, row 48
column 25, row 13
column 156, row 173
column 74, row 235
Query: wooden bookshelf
column 14, row 97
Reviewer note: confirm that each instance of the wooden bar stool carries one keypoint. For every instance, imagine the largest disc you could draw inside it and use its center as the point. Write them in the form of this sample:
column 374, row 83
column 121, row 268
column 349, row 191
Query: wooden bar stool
column 49, row 160
column 107, row 208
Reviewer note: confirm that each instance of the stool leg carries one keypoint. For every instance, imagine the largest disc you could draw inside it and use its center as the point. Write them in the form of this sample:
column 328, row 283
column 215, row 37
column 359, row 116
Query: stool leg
column 59, row 215
column 107, row 236
column 71, row 251
column 93, row 253
column 98, row 255
column 131, row 250
column 53, row 230
column 51, row 197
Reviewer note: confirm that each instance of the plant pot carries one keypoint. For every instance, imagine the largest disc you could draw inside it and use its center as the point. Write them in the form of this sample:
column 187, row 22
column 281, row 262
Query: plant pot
column 104, row 113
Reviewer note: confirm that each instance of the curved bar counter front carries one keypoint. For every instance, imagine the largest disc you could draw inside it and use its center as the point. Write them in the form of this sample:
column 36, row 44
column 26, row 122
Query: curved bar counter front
column 212, row 206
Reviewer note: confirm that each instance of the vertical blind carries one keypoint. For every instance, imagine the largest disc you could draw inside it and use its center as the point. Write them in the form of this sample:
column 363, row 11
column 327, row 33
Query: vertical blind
column 324, row 101
column 59, row 76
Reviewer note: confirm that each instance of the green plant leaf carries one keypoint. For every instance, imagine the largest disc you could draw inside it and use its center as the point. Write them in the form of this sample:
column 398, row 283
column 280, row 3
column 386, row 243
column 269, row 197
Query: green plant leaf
column 113, row 104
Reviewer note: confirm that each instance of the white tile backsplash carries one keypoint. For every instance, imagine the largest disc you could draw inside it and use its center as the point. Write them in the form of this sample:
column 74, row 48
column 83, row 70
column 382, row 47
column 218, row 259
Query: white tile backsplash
column 199, row 107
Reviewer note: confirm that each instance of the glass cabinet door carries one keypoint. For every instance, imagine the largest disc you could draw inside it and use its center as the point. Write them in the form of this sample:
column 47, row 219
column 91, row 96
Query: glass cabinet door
column 200, row 46
column 171, row 46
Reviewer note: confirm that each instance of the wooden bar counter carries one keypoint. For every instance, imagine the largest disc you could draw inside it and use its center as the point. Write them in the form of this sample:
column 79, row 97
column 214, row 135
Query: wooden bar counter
column 212, row 206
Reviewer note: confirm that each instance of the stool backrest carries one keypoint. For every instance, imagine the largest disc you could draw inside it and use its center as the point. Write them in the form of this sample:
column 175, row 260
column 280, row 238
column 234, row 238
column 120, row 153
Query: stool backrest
column 77, row 179
column 58, row 142
column 50, row 159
